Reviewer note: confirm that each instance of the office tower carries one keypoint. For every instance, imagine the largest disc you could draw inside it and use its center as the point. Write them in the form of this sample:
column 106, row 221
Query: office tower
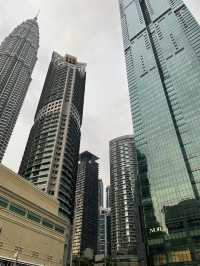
column 104, row 233
column 162, row 50
column 50, row 159
column 108, row 197
column 123, row 174
column 18, row 55
column 86, row 208
column 100, row 193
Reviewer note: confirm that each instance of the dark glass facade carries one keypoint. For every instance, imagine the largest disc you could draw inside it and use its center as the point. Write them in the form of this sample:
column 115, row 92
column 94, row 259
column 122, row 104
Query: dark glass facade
column 162, row 50
column 50, row 159
column 108, row 197
column 100, row 197
column 104, row 233
column 123, row 174
column 18, row 55
column 86, row 207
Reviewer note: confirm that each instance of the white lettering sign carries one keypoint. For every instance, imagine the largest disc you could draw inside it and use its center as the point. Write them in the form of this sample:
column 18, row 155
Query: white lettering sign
column 156, row 229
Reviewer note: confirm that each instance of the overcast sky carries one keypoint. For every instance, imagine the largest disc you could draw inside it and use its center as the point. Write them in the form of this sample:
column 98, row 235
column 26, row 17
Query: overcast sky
column 90, row 30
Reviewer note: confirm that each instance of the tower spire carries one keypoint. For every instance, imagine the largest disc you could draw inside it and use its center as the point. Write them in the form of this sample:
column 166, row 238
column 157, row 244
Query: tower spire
column 37, row 15
column 13, row 92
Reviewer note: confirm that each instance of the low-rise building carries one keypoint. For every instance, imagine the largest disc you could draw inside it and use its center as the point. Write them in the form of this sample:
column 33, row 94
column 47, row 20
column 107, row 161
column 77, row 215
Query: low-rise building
column 31, row 231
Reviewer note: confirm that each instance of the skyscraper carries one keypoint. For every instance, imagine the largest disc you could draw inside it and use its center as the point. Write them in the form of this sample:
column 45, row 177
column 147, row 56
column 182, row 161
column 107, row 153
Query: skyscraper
column 50, row 159
column 100, row 192
column 162, row 50
column 18, row 55
column 104, row 233
column 86, row 208
column 123, row 174
column 108, row 197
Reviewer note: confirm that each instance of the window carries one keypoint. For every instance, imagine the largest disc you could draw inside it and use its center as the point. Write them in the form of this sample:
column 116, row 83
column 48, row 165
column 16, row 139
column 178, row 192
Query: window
column 34, row 217
column 47, row 223
column 17, row 209
column 160, row 259
column 3, row 202
column 180, row 256
column 59, row 229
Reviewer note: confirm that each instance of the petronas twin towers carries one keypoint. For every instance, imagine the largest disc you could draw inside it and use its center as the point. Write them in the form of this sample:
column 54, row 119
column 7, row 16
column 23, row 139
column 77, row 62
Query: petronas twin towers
column 50, row 159
column 18, row 55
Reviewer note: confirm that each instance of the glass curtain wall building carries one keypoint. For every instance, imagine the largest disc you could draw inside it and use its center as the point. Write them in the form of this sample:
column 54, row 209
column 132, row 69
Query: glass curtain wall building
column 162, row 50
column 50, row 159
column 100, row 193
column 18, row 55
column 104, row 233
column 108, row 197
column 86, row 208
column 123, row 174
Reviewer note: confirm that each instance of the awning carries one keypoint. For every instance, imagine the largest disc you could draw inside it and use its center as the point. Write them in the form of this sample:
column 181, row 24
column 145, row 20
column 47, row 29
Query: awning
column 7, row 259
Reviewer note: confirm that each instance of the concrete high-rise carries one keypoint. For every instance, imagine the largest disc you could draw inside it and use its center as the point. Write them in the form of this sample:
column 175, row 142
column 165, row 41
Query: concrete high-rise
column 100, row 192
column 18, row 55
column 86, row 207
column 123, row 174
column 162, row 50
column 50, row 159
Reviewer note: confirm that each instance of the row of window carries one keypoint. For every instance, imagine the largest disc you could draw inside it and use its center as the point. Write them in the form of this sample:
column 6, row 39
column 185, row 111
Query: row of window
column 30, row 215
column 173, row 256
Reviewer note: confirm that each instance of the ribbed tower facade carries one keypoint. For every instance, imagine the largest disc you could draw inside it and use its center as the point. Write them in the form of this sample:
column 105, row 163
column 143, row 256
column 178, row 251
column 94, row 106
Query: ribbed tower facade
column 18, row 55
column 123, row 174
column 162, row 49
column 50, row 159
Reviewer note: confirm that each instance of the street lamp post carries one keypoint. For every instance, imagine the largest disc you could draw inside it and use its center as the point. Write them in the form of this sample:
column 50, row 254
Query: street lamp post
column 16, row 256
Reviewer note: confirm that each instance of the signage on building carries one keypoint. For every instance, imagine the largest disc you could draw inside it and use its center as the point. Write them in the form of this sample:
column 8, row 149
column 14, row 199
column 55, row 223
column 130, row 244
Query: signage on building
column 156, row 229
